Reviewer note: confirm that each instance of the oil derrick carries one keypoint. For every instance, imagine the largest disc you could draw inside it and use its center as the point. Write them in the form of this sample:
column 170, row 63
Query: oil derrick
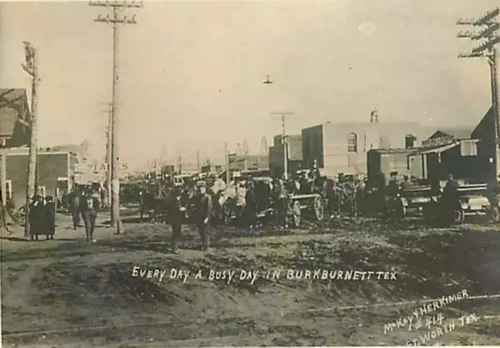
column 263, row 146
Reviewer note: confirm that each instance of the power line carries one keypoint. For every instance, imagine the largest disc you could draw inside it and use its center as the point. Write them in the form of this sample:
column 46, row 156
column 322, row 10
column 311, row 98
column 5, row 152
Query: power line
column 115, row 20
column 486, row 33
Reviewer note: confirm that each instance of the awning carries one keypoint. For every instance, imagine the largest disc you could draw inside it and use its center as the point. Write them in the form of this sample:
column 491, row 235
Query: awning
column 439, row 149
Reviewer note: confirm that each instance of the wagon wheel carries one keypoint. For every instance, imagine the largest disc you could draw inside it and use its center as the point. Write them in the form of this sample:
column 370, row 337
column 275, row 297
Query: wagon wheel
column 20, row 216
column 319, row 208
column 296, row 213
column 494, row 214
column 400, row 210
column 458, row 216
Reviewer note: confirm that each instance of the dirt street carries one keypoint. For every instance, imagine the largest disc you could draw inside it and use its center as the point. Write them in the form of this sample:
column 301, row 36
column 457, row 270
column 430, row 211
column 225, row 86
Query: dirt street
column 264, row 287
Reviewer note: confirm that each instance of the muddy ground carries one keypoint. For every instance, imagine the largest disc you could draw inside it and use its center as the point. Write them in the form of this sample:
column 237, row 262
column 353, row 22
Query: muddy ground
column 67, row 292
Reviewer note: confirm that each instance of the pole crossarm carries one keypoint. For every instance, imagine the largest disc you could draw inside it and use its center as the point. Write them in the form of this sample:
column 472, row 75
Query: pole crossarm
column 489, row 34
column 121, row 4
column 473, row 55
column 109, row 19
column 489, row 31
column 487, row 45
column 486, row 19
column 113, row 157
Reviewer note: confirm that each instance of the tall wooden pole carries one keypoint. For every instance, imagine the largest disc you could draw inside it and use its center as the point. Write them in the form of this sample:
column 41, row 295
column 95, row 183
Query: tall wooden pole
column 495, row 72
column 115, row 6
column 226, row 159
column 109, row 156
column 115, row 162
column 487, row 34
column 3, row 172
column 31, row 68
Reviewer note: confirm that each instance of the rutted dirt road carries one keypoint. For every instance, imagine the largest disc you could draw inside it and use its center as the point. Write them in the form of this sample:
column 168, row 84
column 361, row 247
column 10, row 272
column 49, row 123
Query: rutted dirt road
column 66, row 292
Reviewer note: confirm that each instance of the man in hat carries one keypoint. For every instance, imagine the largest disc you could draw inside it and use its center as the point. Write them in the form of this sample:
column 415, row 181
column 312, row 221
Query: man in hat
column 204, row 213
column 90, row 207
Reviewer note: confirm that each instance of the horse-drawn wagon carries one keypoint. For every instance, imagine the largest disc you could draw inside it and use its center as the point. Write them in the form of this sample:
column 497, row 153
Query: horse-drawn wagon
column 310, row 205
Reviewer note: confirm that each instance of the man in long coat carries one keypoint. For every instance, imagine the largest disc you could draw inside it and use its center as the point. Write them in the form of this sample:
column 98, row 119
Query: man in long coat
column 204, row 209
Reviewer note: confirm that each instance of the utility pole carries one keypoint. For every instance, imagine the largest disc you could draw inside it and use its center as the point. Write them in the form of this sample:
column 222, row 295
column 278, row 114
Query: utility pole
column 226, row 159
column 198, row 160
column 179, row 160
column 489, row 36
column 109, row 154
column 31, row 67
column 264, row 150
column 115, row 20
column 284, row 140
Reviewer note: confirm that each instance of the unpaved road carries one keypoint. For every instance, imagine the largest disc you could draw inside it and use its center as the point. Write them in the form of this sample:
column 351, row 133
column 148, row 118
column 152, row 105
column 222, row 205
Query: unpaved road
column 67, row 292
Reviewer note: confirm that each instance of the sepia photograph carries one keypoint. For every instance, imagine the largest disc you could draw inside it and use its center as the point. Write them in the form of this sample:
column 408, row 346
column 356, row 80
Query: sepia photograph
column 279, row 173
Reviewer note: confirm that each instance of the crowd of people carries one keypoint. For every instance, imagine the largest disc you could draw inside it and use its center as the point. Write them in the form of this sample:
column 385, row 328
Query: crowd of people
column 209, row 201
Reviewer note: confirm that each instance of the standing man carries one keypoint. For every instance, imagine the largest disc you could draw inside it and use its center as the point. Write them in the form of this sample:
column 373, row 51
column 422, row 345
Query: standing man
column 90, row 207
column 174, row 216
column 251, row 205
column 204, row 213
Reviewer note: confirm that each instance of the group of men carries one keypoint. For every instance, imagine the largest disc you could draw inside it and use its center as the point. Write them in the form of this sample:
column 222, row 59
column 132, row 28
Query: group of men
column 84, row 202
column 203, row 213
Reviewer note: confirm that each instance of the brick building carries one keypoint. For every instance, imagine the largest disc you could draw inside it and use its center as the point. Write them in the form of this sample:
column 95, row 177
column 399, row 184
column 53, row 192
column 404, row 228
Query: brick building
column 342, row 147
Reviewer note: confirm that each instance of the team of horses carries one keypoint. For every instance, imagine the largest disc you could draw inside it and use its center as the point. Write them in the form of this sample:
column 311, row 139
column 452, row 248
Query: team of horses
column 156, row 199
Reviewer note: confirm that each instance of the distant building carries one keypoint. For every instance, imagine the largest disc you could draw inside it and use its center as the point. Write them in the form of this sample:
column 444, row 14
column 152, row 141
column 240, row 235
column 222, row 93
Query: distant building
column 211, row 169
column 55, row 173
column 342, row 147
column 245, row 162
column 277, row 156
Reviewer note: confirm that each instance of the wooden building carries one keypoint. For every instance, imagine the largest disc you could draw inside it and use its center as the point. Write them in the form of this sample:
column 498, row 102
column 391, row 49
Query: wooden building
column 277, row 155
column 15, row 129
column 55, row 173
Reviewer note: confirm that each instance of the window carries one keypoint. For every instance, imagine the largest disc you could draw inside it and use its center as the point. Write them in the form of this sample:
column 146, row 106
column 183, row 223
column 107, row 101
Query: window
column 352, row 142
column 41, row 191
column 410, row 140
column 8, row 191
column 468, row 148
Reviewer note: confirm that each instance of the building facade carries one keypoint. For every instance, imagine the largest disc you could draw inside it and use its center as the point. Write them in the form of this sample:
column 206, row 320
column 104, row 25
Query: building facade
column 15, row 129
column 342, row 147
column 55, row 173
column 277, row 155
column 467, row 153
column 245, row 162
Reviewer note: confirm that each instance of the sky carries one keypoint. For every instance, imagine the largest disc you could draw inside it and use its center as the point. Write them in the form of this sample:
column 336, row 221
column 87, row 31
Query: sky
column 191, row 72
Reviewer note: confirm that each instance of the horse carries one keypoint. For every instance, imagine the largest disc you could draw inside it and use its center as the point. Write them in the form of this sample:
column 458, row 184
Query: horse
column 342, row 196
column 147, row 204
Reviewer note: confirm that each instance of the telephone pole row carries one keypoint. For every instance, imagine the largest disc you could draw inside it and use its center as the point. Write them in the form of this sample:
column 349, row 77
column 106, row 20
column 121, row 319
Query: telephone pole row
column 487, row 34
column 115, row 20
